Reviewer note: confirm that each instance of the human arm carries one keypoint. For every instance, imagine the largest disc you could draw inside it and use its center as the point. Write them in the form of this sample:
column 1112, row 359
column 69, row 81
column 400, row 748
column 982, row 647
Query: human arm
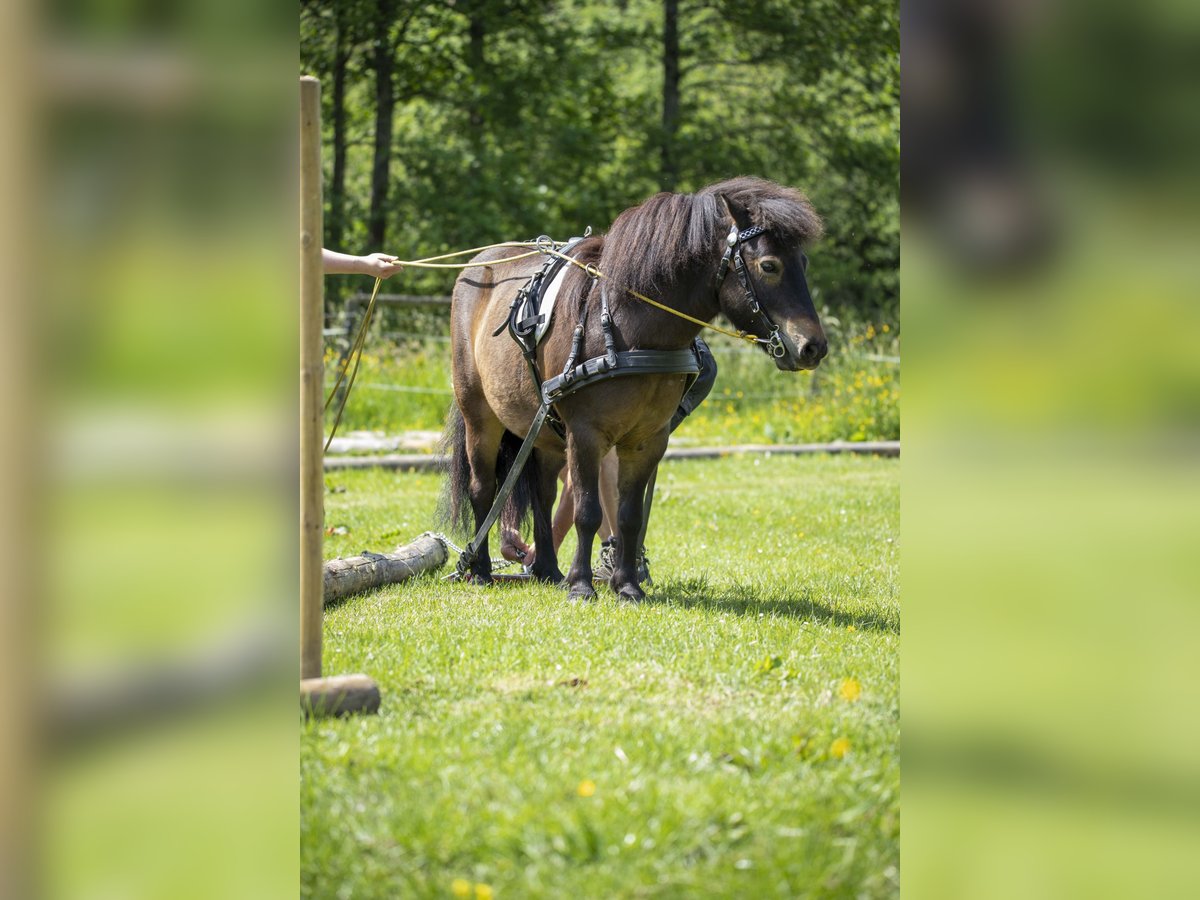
column 377, row 265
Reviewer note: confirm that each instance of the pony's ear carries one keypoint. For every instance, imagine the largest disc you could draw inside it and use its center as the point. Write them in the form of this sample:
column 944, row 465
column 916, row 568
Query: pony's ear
column 738, row 213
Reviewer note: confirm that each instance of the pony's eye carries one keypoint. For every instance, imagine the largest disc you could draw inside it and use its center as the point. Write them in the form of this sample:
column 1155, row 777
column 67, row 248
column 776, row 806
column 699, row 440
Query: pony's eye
column 768, row 266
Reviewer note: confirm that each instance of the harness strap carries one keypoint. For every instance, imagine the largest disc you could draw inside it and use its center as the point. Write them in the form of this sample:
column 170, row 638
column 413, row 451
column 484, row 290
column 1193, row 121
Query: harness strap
column 628, row 362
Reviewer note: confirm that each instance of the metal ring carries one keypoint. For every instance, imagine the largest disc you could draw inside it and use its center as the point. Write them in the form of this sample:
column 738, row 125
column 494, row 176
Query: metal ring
column 776, row 342
column 592, row 270
column 544, row 243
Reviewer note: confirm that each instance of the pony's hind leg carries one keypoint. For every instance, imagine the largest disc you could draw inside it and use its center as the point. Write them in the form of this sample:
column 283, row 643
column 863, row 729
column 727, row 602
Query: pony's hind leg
column 584, row 452
column 545, row 562
column 483, row 443
column 637, row 464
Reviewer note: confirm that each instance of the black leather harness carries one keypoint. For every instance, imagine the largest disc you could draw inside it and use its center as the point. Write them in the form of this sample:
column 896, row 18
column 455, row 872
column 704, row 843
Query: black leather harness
column 523, row 318
column 525, row 315
column 773, row 343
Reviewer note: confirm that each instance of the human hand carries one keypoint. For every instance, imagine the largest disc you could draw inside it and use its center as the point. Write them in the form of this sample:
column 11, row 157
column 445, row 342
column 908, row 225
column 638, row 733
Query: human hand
column 514, row 549
column 381, row 265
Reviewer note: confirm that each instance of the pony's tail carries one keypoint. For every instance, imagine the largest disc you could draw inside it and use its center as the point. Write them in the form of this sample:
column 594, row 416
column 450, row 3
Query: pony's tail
column 455, row 509
column 524, row 496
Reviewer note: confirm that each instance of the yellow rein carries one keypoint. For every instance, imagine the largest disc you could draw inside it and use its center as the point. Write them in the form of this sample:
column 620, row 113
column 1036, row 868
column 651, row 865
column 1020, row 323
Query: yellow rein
column 430, row 262
column 596, row 273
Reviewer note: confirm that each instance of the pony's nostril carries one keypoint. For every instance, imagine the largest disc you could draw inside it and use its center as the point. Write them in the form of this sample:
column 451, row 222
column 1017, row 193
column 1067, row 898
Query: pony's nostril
column 813, row 351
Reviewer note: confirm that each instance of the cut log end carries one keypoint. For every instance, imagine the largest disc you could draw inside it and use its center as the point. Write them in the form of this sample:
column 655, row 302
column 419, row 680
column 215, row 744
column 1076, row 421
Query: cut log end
column 339, row 695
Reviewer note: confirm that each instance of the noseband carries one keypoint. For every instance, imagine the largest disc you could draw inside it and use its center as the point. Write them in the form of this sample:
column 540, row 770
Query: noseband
column 772, row 343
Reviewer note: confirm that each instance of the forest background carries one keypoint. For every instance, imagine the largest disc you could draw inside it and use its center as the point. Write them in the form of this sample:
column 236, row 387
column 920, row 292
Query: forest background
column 457, row 123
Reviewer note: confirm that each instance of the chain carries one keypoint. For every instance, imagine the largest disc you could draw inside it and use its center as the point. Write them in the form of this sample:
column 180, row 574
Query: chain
column 497, row 562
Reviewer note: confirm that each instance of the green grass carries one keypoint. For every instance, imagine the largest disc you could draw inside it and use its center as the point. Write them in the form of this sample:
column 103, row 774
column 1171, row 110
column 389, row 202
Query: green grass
column 853, row 396
column 706, row 718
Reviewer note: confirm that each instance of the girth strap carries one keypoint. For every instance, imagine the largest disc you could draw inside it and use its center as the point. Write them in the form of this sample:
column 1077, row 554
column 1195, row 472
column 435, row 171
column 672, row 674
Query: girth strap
column 628, row 362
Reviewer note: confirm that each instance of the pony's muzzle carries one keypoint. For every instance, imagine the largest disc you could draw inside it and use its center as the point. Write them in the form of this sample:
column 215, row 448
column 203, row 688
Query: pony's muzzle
column 813, row 351
column 802, row 352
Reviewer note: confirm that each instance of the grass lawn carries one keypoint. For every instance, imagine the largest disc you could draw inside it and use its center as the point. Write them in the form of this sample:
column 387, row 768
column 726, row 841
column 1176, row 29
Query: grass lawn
column 737, row 735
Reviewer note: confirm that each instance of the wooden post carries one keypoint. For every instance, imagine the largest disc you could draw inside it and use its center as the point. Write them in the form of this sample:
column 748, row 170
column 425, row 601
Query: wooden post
column 340, row 695
column 349, row 693
column 312, row 484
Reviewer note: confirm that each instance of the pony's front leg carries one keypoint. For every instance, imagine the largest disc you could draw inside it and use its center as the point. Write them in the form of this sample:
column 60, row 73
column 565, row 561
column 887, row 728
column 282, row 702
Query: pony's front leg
column 637, row 464
column 584, row 452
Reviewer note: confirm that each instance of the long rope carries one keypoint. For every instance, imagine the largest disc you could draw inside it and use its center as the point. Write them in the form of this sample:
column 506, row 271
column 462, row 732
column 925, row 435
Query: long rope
column 355, row 354
column 596, row 273
column 354, row 357
column 430, row 262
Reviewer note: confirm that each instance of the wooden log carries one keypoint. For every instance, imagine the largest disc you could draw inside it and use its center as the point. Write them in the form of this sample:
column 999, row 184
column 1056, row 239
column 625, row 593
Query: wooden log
column 425, row 462
column 312, row 371
column 339, row 695
column 344, row 577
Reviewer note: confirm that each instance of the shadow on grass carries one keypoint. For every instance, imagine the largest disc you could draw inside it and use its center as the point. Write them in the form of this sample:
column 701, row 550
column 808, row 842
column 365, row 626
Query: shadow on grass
column 750, row 599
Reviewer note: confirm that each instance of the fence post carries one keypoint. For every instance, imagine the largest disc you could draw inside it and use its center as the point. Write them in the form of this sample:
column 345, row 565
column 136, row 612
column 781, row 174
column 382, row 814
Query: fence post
column 311, row 380
column 347, row 693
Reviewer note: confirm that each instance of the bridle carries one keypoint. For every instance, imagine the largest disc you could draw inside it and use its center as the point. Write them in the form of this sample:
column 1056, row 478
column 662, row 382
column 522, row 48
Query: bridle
column 772, row 343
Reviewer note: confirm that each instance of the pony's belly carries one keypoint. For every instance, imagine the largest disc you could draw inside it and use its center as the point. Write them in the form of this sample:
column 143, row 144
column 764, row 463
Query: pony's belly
column 509, row 390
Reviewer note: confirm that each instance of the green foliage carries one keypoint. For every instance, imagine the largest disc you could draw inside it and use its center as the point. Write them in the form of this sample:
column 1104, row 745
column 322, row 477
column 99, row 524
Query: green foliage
column 516, row 119
column 546, row 749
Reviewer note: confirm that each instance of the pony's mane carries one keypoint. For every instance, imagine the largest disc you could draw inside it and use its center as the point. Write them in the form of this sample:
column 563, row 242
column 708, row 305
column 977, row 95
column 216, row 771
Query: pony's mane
column 671, row 233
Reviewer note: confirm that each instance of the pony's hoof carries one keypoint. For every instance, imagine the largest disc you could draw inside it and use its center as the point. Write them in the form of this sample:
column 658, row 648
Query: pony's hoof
column 581, row 594
column 631, row 594
column 554, row 576
column 479, row 580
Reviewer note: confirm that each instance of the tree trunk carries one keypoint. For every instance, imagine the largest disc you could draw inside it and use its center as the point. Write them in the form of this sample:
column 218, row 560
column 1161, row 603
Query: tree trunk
column 669, row 172
column 385, row 100
column 335, row 223
column 476, row 32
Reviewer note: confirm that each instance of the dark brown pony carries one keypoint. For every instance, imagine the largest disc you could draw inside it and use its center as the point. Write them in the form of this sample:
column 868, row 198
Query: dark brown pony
column 669, row 248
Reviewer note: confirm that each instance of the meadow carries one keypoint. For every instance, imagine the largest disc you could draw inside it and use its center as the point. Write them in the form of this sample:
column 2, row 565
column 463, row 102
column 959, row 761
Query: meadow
column 736, row 735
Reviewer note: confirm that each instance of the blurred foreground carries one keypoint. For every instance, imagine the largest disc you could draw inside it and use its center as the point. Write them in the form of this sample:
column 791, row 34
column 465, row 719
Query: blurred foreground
column 149, row 631
column 1051, row 495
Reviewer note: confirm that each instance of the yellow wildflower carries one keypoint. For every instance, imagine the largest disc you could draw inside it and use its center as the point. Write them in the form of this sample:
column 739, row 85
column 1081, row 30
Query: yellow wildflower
column 460, row 887
column 587, row 787
column 850, row 689
column 839, row 748
column 483, row 892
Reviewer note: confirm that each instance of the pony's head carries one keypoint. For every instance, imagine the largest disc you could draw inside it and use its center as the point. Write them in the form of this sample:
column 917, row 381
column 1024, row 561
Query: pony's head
column 761, row 283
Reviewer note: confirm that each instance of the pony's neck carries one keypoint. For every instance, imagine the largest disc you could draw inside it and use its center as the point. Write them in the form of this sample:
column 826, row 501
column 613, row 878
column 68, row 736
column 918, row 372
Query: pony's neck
column 644, row 326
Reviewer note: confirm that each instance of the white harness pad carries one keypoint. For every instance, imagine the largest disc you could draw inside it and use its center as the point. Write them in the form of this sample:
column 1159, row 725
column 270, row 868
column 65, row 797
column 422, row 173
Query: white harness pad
column 546, row 307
